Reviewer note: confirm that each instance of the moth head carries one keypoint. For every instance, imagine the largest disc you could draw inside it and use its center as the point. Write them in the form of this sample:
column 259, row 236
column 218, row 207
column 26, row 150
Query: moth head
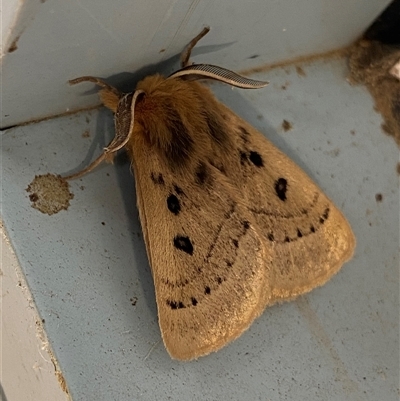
column 124, row 120
column 121, row 104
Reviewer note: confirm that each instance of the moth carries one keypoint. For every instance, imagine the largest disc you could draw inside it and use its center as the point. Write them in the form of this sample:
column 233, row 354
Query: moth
column 231, row 224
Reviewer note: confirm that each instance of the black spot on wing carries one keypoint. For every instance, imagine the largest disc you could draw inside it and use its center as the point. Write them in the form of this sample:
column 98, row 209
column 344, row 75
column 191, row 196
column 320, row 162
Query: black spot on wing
column 244, row 134
column 178, row 190
column 157, row 178
column 175, row 304
column 184, row 244
column 181, row 146
column 243, row 157
column 217, row 128
column 173, row 204
column 256, row 159
column 300, row 232
column 172, row 304
column 324, row 216
column 281, row 188
column 175, row 284
column 202, row 174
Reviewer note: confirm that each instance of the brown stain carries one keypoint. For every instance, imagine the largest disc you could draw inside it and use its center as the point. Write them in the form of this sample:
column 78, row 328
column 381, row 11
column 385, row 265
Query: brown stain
column 300, row 71
column 334, row 152
column 41, row 335
column 68, row 113
column 322, row 337
column 86, row 134
column 285, row 85
column 162, row 51
column 49, row 193
column 286, row 125
column 61, row 381
column 379, row 197
column 14, row 45
column 327, row 56
column 370, row 63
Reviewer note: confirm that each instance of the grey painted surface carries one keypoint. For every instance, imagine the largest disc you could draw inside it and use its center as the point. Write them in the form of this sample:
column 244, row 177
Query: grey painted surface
column 59, row 40
column 340, row 342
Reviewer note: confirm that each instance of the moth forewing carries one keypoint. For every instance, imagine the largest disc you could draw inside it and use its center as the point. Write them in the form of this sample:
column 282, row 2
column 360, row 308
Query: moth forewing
column 231, row 224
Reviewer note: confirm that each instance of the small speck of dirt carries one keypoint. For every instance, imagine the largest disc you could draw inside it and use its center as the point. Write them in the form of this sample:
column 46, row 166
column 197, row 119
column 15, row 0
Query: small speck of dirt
column 13, row 45
column 162, row 51
column 103, row 223
column 379, row 197
column 285, row 85
column 134, row 300
column 300, row 71
column 353, row 132
column 49, row 193
column 86, row 134
column 286, row 125
column 334, row 152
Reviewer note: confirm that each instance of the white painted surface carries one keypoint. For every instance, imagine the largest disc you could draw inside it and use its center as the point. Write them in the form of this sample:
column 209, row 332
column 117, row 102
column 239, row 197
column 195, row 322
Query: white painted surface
column 59, row 40
column 26, row 370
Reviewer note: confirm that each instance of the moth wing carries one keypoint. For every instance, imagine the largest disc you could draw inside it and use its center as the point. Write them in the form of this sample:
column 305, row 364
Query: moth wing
column 207, row 259
column 306, row 236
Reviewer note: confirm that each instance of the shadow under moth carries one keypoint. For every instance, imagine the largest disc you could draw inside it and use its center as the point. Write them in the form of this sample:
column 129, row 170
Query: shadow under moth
column 231, row 224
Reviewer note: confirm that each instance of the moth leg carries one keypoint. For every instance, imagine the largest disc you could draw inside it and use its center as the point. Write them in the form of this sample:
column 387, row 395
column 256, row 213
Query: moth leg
column 88, row 169
column 185, row 56
column 97, row 81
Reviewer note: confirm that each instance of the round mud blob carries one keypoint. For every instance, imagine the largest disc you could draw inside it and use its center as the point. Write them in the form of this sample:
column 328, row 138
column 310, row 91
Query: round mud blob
column 49, row 193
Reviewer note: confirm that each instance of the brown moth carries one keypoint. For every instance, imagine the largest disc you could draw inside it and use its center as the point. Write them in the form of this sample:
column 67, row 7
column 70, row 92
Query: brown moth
column 231, row 224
